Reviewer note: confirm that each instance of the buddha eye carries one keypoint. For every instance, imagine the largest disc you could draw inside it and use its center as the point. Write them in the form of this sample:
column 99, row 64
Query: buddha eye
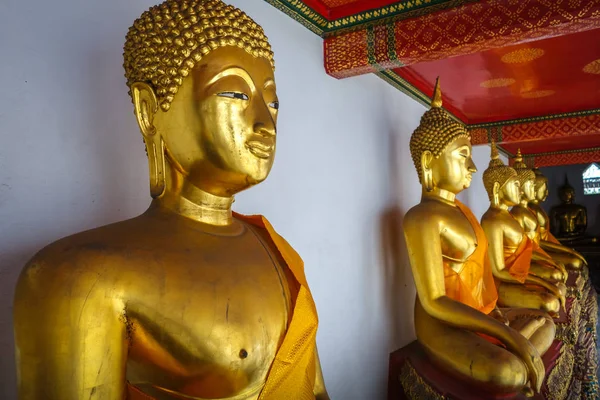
column 234, row 95
column 274, row 105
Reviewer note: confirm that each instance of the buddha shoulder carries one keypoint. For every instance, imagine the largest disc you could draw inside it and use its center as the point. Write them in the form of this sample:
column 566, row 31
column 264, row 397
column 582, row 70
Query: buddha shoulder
column 94, row 256
column 496, row 214
column 427, row 214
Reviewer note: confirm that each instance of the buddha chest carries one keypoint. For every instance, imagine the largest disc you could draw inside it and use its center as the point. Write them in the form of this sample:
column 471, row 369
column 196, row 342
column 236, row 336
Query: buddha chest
column 207, row 312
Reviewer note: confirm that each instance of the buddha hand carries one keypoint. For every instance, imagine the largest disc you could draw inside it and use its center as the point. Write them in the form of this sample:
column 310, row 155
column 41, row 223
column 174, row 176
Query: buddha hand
column 522, row 348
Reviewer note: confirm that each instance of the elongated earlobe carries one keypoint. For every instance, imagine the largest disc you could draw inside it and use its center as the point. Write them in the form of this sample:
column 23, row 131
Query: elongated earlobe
column 145, row 107
column 427, row 172
column 496, row 194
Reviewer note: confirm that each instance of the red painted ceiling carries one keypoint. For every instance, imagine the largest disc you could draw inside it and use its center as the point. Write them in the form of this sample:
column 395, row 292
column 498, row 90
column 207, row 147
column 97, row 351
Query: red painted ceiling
column 537, row 78
column 335, row 9
column 542, row 77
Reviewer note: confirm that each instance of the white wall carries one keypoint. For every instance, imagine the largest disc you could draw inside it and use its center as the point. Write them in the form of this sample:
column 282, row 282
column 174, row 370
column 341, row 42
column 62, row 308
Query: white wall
column 71, row 158
column 476, row 197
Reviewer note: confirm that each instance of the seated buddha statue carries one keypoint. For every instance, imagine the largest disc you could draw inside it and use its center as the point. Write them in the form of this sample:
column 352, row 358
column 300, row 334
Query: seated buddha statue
column 528, row 220
column 457, row 321
column 188, row 300
column 523, row 278
column 569, row 220
column 544, row 226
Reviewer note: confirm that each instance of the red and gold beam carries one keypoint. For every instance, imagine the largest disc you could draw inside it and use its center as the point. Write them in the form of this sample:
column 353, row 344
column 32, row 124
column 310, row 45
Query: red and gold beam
column 469, row 28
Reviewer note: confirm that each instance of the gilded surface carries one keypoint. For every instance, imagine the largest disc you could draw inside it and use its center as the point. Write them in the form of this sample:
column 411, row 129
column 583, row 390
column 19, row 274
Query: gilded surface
column 445, row 239
column 523, row 279
column 533, row 191
column 187, row 300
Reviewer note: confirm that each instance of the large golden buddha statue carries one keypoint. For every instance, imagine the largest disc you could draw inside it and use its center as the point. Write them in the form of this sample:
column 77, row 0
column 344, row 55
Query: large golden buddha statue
column 524, row 278
column 188, row 300
column 529, row 220
column 456, row 318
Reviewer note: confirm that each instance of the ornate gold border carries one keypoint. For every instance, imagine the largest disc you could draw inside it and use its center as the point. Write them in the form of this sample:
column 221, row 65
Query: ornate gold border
column 415, row 388
column 393, row 12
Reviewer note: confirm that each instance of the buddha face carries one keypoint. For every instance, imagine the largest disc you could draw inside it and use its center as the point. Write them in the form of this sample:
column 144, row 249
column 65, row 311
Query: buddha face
column 453, row 169
column 567, row 195
column 220, row 132
column 511, row 191
column 528, row 189
column 541, row 193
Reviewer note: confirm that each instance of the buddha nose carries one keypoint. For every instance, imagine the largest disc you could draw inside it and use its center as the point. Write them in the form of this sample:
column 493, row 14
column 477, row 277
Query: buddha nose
column 471, row 166
column 264, row 124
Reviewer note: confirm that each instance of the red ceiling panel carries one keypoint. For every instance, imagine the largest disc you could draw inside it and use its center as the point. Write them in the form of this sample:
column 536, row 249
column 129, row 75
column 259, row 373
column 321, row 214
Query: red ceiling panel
column 533, row 79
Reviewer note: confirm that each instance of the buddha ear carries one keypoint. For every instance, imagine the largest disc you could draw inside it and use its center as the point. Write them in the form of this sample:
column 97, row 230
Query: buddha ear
column 427, row 172
column 145, row 106
column 496, row 193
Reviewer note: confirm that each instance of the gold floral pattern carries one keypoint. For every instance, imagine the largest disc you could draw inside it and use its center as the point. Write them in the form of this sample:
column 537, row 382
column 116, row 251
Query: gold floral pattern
column 496, row 83
column 536, row 94
column 592, row 68
column 522, row 56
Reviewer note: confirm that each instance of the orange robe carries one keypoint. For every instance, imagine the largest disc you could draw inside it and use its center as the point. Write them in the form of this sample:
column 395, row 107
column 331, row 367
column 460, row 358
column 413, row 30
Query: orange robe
column 519, row 263
column 293, row 372
column 474, row 285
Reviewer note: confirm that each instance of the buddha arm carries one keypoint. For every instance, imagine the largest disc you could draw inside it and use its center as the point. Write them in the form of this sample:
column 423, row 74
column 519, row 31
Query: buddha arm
column 320, row 391
column 549, row 246
column 545, row 259
column 495, row 235
column 424, row 249
column 537, row 256
column 70, row 341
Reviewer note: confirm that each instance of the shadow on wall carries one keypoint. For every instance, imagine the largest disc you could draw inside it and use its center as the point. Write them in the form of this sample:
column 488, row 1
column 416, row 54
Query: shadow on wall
column 10, row 268
column 399, row 292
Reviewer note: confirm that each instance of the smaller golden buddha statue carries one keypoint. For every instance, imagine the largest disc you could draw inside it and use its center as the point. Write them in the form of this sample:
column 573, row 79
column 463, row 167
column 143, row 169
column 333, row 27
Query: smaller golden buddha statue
column 456, row 318
column 524, row 278
column 528, row 219
column 544, row 225
column 188, row 300
column 569, row 220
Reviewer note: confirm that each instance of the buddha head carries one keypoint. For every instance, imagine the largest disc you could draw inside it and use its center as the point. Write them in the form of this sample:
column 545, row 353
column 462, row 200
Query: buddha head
column 566, row 193
column 441, row 150
column 526, row 177
column 201, row 77
column 501, row 181
column 541, row 186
